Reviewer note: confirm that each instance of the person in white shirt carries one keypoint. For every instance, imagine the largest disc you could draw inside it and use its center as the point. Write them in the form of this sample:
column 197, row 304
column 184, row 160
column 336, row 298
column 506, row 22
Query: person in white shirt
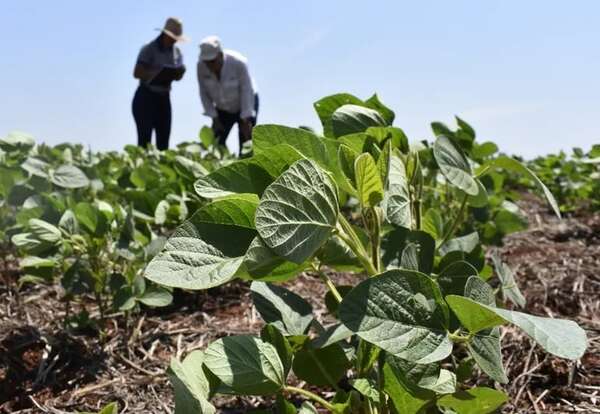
column 227, row 91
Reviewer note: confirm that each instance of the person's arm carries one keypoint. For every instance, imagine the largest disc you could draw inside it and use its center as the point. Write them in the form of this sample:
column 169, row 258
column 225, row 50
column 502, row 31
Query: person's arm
column 246, row 102
column 180, row 66
column 207, row 103
column 142, row 69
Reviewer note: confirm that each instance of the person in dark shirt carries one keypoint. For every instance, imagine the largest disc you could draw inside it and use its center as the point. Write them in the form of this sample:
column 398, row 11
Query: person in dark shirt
column 151, row 102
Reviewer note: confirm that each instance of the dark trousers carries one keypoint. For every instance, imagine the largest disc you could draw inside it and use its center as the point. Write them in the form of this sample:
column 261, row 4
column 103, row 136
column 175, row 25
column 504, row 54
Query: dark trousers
column 229, row 119
column 152, row 112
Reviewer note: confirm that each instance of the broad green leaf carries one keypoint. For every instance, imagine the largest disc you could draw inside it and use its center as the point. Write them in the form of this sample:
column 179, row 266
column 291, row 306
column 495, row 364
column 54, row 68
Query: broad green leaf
column 91, row 218
column 156, row 297
column 160, row 214
column 508, row 284
column 246, row 364
column 399, row 312
column 481, row 198
column 368, row 181
column 17, row 141
column 406, row 400
column 325, row 108
column 36, row 167
column 454, row 165
column 298, row 212
column 453, row 278
column 282, row 406
column 395, row 241
column 189, row 168
column 396, row 202
column 412, row 374
column 44, row 231
column 333, row 334
column 375, row 103
column 485, row 345
column 484, row 150
column 263, row 264
column 349, row 119
column 347, row 157
column 69, row 176
column 513, row 165
column 320, row 366
column 433, row 223
column 277, row 158
column 207, row 137
column 337, row 255
column 239, row 177
column 366, row 388
column 282, row 308
column 200, row 253
column 466, row 243
column 272, row 335
column 478, row 400
column 190, row 385
column 559, row 337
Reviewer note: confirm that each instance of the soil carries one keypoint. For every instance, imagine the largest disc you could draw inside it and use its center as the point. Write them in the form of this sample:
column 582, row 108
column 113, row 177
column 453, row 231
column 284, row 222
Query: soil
column 47, row 369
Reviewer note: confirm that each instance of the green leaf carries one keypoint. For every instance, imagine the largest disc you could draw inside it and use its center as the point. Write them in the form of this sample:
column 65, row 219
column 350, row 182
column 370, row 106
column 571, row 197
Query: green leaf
column 288, row 312
column 375, row 103
column 433, row 223
column 239, row 177
column 366, row 388
column 246, row 364
column 263, row 264
column 333, row 334
column 478, row 400
column 559, row 337
column 69, row 176
column 513, row 165
column 485, row 345
column 282, row 406
column 508, row 284
column 17, row 141
column 44, row 231
column 36, row 167
column 156, row 297
column 396, row 202
column 481, row 198
column 160, row 214
column 337, row 255
column 484, row 150
column 368, row 181
column 207, row 137
column 454, row 165
column 298, row 212
column 91, row 218
column 272, row 335
column 466, row 243
column 395, row 241
column 321, row 366
column 190, row 385
column 453, row 278
column 349, row 119
column 406, row 400
column 325, row 108
column 399, row 312
column 347, row 158
column 200, row 253
column 307, row 408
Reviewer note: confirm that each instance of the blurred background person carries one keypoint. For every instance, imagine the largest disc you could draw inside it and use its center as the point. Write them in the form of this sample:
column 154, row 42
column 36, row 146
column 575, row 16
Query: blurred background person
column 158, row 64
column 227, row 91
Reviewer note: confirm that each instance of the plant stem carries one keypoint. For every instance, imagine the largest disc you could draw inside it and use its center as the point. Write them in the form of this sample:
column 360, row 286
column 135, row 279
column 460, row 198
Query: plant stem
column 383, row 408
column 456, row 220
column 309, row 395
column 349, row 236
column 330, row 286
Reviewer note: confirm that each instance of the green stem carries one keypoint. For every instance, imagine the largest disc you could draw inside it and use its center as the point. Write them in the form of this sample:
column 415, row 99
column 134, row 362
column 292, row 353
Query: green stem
column 459, row 338
column 457, row 219
column 309, row 395
column 330, row 286
column 383, row 408
column 349, row 236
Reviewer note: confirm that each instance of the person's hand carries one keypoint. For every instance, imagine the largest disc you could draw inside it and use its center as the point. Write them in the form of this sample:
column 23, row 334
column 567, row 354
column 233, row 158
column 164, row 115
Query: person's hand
column 246, row 129
column 180, row 72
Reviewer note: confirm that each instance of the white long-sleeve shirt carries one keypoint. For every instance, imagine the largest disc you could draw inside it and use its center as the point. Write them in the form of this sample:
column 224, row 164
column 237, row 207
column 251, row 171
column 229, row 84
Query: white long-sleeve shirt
column 233, row 93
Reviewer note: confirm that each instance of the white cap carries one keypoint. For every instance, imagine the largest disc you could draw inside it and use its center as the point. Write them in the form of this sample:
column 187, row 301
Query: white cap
column 210, row 47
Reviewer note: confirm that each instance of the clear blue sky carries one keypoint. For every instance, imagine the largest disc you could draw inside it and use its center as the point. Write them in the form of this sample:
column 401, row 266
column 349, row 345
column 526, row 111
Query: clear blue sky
column 524, row 73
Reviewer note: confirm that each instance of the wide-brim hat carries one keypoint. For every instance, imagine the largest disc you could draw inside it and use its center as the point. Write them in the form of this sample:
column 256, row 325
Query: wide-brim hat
column 174, row 29
column 210, row 47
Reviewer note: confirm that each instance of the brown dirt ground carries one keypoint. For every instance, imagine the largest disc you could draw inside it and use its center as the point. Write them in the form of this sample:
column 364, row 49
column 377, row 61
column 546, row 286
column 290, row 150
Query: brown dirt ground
column 45, row 369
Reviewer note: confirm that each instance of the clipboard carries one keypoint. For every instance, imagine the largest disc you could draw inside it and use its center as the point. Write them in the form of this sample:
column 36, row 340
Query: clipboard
column 166, row 75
